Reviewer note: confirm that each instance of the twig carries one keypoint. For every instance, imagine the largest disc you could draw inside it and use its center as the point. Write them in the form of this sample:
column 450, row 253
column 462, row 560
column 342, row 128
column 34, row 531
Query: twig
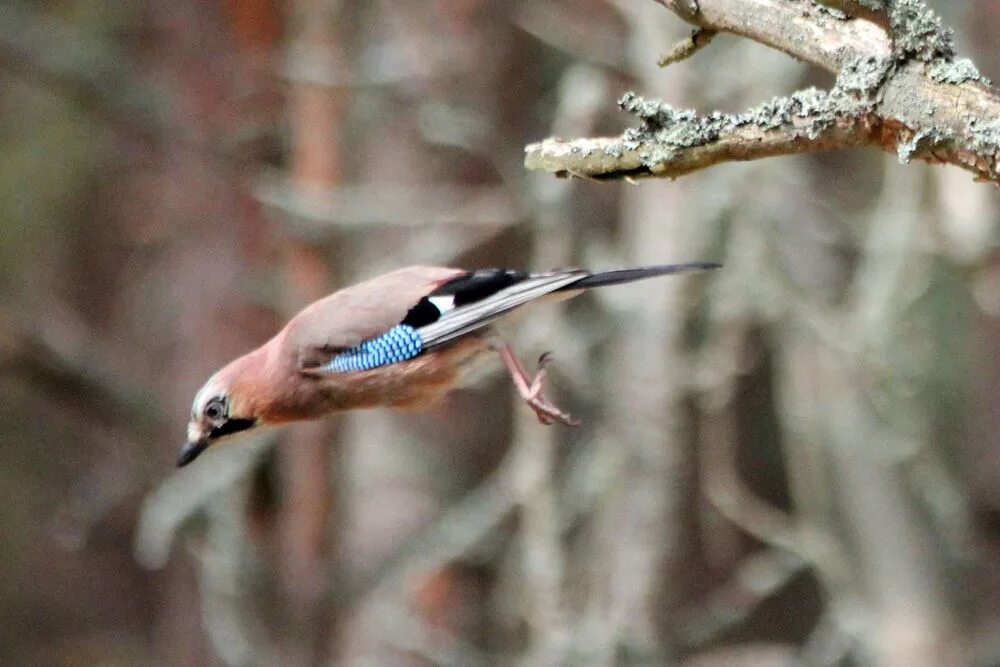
column 687, row 47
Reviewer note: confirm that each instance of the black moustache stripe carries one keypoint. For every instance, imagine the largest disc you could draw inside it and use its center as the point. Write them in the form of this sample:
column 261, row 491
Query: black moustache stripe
column 231, row 426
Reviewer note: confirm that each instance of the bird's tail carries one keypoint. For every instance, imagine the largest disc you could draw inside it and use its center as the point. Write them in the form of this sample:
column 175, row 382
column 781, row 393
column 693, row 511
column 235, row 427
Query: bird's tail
column 605, row 278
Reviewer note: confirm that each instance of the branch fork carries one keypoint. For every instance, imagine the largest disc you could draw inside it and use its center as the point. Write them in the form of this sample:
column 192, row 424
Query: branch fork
column 899, row 87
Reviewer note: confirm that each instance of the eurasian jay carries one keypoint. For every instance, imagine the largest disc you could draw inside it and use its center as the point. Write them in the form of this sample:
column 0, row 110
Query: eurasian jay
column 402, row 339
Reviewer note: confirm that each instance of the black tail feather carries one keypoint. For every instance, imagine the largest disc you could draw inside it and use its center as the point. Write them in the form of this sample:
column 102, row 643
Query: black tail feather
column 605, row 278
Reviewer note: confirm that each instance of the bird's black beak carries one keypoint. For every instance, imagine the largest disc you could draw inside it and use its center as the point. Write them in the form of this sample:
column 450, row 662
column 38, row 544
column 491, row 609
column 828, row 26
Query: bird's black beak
column 190, row 452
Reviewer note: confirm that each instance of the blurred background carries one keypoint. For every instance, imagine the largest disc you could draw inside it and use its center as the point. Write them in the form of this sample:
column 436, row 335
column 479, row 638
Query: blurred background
column 794, row 460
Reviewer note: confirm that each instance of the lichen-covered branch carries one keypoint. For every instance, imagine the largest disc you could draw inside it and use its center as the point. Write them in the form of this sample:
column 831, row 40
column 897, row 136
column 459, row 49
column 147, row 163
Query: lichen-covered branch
column 899, row 87
column 673, row 142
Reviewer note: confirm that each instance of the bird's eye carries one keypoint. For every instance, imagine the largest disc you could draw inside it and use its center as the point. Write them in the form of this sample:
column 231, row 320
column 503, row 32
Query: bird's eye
column 215, row 411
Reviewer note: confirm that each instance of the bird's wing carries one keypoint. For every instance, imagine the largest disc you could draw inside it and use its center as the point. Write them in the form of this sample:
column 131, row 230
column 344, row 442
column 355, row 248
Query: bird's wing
column 411, row 311
column 473, row 300
column 477, row 299
column 354, row 314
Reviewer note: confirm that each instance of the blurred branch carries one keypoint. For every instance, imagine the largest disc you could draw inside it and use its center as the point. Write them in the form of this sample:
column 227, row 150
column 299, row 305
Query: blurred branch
column 828, row 643
column 48, row 358
column 102, row 487
column 63, row 364
column 309, row 466
column 186, row 492
column 582, row 35
column 903, row 91
column 44, row 48
column 757, row 578
column 730, row 496
column 407, row 632
column 543, row 561
column 635, row 550
column 226, row 573
column 456, row 532
column 321, row 213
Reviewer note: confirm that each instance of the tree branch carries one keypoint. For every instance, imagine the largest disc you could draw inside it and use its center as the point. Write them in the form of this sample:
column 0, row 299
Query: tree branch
column 687, row 47
column 901, row 90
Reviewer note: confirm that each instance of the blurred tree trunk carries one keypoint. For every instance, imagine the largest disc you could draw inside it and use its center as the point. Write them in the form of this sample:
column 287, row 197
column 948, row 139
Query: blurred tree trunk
column 308, row 459
column 641, row 520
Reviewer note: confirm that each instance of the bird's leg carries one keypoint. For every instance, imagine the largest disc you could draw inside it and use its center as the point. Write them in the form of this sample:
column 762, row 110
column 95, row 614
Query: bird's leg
column 530, row 390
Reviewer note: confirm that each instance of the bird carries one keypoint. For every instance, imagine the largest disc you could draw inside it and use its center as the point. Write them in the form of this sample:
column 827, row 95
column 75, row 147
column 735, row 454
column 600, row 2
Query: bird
column 403, row 339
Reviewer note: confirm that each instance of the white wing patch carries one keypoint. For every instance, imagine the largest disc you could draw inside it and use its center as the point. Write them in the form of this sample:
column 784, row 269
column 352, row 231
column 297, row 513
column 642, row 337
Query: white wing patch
column 443, row 303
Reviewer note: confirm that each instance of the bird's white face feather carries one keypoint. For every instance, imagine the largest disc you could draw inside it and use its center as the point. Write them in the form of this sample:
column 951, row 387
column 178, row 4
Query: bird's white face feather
column 211, row 392
column 211, row 389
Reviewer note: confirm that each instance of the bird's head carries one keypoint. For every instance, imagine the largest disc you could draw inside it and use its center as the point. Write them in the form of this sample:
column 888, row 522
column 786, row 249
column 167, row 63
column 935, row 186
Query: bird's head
column 222, row 409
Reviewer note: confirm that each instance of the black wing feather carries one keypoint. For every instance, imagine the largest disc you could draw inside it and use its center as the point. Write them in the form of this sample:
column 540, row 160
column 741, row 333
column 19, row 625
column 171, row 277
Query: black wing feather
column 467, row 288
column 619, row 276
column 477, row 285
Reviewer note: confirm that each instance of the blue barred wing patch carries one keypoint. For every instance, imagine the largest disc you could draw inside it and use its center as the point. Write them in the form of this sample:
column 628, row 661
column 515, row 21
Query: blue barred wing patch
column 399, row 343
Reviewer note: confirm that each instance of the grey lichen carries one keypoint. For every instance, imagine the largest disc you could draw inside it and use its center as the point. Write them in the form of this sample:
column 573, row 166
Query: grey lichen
column 615, row 150
column 985, row 139
column 906, row 149
column 954, row 71
column 917, row 32
column 667, row 128
column 831, row 11
column 864, row 76
column 810, row 105
column 808, row 113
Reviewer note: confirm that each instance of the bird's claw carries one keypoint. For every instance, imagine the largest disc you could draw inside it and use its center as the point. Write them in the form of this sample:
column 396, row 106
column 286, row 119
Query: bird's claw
column 549, row 414
column 546, row 411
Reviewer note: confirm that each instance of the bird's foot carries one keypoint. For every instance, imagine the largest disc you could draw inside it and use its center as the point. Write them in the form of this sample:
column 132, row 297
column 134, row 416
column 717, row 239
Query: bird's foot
column 531, row 391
